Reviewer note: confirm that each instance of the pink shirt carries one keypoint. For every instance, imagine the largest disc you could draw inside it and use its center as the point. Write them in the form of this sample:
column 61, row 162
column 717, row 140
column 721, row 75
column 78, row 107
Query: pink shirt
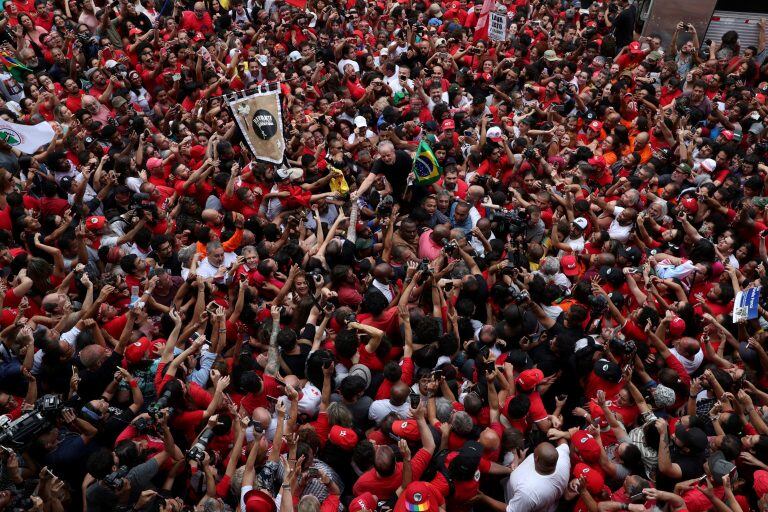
column 428, row 248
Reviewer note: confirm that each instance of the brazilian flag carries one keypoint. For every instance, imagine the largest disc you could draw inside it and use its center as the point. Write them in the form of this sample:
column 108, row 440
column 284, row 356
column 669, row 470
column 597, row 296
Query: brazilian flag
column 426, row 170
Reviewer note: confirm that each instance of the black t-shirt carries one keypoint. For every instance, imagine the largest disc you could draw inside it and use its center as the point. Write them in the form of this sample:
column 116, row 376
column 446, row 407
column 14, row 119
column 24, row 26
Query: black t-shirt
column 691, row 466
column 296, row 361
column 397, row 173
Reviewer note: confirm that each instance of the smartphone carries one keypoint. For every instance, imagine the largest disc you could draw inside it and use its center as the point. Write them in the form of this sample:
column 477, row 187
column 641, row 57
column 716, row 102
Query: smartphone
column 436, row 374
column 638, row 497
column 415, row 400
column 702, row 480
column 271, row 399
column 194, row 336
column 176, row 77
column 313, row 473
column 562, row 398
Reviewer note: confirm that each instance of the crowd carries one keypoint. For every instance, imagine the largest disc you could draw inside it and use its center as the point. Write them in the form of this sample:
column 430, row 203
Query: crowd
column 546, row 327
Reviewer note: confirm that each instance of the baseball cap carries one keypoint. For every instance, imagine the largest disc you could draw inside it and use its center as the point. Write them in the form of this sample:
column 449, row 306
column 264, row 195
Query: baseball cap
column 363, row 371
column 550, row 55
column 581, row 222
column 154, row 163
column 494, row 134
column 677, row 327
column 597, row 161
column 258, row 501
column 634, row 47
column 690, row 204
column 135, row 352
column 719, row 466
column 529, row 379
column 756, row 129
column 293, row 173
column 448, row 124
column 569, row 265
column 607, row 370
column 595, row 126
column 586, row 446
column 663, row 396
column 654, row 56
column 360, row 121
column 761, row 482
column 684, row 168
column 592, row 478
column 728, row 134
column 418, row 497
column 440, row 41
column 707, row 165
column 344, row 438
column 407, row 429
column 118, row 101
column 692, row 437
column 365, row 501
column 294, row 56
column 95, row 222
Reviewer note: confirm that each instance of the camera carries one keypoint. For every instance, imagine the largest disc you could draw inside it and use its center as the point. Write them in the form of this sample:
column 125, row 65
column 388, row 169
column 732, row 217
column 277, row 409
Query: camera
column 450, row 246
column 197, row 451
column 19, row 433
column 513, row 222
column 156, row 409
column 622, row 346
column 529, row 153
column 115, row 479
column 518, row 297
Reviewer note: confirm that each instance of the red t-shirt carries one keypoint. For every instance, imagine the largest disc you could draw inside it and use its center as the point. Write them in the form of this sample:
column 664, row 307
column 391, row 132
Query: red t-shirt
column 385, row 486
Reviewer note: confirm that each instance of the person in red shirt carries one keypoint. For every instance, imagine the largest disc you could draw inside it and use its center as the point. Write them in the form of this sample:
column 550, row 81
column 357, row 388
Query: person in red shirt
column 197, row 20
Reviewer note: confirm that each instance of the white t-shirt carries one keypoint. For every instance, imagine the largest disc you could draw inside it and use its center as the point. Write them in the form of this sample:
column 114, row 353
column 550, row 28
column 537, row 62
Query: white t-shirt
column 344, row 62
column 616, row 231
column 205, row 269
column 528, row 491
column 380, row 408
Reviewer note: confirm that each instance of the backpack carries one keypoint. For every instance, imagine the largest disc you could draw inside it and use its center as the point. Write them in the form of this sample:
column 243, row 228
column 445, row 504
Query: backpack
column 437, row 465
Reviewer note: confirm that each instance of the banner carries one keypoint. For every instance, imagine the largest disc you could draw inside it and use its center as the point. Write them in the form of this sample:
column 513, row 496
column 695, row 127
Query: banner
column 259, row 118
column 481, row 29
column 497, row 30
column 745, row 304
column 426, row 170
column 26, row 138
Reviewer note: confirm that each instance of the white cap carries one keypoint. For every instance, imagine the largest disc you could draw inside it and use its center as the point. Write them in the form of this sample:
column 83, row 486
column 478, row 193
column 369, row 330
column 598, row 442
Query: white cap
column 360, row 122
column 708, row 165
column 383, row 51
column 493, row 132
column 294, row 173
column 440, row 41
column 294, row 56
column 581, row 222
column 263, row 61
column 110, row 63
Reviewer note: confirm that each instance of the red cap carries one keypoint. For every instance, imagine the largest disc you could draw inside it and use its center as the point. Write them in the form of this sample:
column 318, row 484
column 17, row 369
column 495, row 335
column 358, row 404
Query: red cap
column 569, row 265
column 592, row 478
column 595, row 126
column 259, row 501
column 677, row 327
column 365, row 501
column 154, row 163
column 448, row 124
column 597, row 161
column 95, row 223
column 279, row 47
column 728, row 134
column 407, row 429
column 135, row 351
column 586, row 446
column 487, row 77
column 761, row 482
column 418, row 497
column 345, row 438
column 529, row 379
column 690, row 204
column 134, row 31
column 634, row 47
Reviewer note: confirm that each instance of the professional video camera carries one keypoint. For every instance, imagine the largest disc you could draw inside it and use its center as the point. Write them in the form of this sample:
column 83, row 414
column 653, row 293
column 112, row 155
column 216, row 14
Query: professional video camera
column 513, row 222
column 155, row 410
column 19, row 433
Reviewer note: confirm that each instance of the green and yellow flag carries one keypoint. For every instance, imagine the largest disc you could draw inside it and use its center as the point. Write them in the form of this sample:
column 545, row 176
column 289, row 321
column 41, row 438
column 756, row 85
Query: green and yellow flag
column 426, row 170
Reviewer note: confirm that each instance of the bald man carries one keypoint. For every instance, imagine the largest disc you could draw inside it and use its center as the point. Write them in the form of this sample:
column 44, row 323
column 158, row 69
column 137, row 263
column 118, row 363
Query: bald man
column 538, row 483
column 396, row 403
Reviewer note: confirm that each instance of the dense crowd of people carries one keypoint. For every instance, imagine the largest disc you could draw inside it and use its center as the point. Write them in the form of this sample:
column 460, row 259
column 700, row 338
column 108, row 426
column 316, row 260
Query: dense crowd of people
column 547, row 327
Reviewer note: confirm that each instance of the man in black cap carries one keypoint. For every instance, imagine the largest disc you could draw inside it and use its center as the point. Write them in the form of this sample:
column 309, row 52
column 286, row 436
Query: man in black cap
column 681, row 456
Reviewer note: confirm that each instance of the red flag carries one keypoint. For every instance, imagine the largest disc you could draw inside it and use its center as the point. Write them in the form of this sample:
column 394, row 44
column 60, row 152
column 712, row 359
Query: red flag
column 481, row 29
column 299, row 4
